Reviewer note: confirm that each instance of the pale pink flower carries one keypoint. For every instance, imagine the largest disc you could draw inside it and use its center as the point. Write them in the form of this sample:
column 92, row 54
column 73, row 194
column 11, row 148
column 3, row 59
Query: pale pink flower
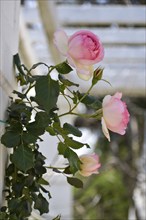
column 83, row 49
column 115, row 115
column 90, row 164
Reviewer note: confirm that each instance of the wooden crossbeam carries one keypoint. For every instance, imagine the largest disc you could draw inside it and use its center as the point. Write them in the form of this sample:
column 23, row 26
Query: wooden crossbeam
column 101, row 15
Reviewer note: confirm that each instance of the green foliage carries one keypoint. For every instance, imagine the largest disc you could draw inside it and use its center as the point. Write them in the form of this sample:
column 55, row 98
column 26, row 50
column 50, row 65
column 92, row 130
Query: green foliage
column 75, row 182
column 73, row 158
column 63, row 68
column 103, row 196
column 29, row 117
column 41, row 204
column 70, row 129
column 90, row 101
column 10, row 139
column 23, row 158
column 47, row 91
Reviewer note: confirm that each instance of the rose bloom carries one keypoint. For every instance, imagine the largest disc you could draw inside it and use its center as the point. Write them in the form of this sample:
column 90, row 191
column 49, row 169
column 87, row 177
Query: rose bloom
column 83, row 49
column 89, row 165
column 115, row 115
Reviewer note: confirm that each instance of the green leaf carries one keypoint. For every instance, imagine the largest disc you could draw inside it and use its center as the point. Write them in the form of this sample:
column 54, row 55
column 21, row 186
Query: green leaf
column 23, row 158
column 90, row 101
column 3, row 214
column 10, row 139
column 41, row 204
column 70, row 129
column 17, row 188
column 75, row 182
column 47, row 92
column 10, row 170
column 73, row 159
column 25, row 208
column 63, row 68
column 39, row 125
column 73, row 144
column 57, row 127
column 42, row 181
column 67, row 82
column 51, row 131
column 67, row 170
column 61, row 148
column 19, row 111
column 13, row 204
column 28, row 138
column 46, row 191
column 20, row 95
column 39, row 169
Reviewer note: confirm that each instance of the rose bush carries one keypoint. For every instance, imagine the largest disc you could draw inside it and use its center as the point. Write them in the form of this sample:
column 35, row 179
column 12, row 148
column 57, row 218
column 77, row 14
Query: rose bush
column 29, row 117
column 90, row 164
column 83, row 49
column 115, row 115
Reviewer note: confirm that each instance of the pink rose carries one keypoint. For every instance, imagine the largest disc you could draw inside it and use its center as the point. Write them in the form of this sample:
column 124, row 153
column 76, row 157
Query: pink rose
column 82, row 49
column 89, row 165
column 115, row 115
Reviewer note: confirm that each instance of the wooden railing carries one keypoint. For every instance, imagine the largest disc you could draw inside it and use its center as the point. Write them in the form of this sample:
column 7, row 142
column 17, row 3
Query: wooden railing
column 122, row 30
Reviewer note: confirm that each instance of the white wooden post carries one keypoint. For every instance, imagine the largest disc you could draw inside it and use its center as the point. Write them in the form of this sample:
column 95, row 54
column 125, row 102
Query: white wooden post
column 9, row 26
column 50, row 23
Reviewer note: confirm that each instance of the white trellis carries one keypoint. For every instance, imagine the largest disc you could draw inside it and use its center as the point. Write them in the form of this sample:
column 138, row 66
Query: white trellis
column 9, row 24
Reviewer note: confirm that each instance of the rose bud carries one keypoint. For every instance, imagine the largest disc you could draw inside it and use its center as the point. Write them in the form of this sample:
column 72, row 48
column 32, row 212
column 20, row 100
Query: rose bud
column 90, row 164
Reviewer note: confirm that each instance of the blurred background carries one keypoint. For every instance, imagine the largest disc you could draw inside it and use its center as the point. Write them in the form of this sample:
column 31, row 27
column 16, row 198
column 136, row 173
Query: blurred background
column 119, row 191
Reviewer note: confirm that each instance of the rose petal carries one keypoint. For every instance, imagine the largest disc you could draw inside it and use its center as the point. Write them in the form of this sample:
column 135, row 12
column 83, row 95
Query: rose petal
column 61, row 41
column 118, row 95
column 84, row 72
column 104, row 129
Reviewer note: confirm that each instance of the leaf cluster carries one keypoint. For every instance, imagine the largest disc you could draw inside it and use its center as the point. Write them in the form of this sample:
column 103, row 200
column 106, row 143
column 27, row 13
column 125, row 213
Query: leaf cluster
column 29, row 117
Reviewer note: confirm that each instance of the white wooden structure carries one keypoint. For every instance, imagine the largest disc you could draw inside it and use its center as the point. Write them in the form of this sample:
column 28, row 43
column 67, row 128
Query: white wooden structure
column 122, row 31
column 9, row 24
column 9, row 39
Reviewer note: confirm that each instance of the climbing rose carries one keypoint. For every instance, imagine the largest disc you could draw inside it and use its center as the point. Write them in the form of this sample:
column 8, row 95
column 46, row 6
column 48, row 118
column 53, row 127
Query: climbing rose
column 115, row 115
column 82, row 49
column 89, row 165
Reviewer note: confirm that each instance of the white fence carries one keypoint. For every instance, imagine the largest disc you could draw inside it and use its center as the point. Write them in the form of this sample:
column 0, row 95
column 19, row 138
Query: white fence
column 122, row 31
column 8, row 47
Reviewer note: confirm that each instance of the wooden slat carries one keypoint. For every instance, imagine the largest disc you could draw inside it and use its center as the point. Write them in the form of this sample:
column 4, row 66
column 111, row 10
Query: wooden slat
column 115, row 35
column 101, row 15
column 124, row 60
column 129, row 82
column 94, row 15
column 126, row 54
